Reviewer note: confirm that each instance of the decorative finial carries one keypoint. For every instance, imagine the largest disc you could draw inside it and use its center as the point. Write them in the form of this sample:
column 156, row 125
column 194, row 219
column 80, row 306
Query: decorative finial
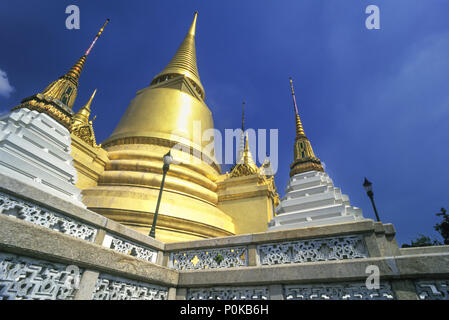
column 193, row 26
column 90, row 100
column 96, row 38
column 183, row 63
column 246, row 165
column 81, row 126
column 293, row 95
column 299, row 128
column 75, row 71
column 243, row 117
column 82, row 116
column 304, row 158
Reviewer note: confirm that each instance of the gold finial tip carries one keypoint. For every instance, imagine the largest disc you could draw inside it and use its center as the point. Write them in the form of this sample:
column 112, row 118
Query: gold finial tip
column 193, row 26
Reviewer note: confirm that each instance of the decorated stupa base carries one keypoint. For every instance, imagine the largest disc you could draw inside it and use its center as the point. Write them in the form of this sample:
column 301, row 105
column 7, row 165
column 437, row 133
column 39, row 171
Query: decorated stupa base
column 312, row 200
column 35, row 149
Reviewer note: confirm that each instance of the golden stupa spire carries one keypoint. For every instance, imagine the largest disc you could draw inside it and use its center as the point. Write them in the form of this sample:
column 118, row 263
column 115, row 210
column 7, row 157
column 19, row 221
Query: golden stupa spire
column 299, row 128
column 245, row 165
column 58, row 98
column 64, row 89
column 184, row 61
column 242, row 137
column 304, row 158
column 81, row 126
column 82, row 116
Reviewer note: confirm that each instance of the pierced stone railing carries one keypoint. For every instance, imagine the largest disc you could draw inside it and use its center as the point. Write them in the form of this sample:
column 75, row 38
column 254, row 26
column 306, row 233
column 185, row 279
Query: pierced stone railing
column 115, row 288
column 131, row 248
column 229, row 293
column 311, row 250
column 46, row 218
column 333, row 291
column 432, row 289
column 209, row 258
column 23, row 278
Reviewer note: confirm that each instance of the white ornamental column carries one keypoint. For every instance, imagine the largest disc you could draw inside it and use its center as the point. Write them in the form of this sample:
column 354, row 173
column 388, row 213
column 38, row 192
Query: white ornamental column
column 311, row 199
column 35, row 149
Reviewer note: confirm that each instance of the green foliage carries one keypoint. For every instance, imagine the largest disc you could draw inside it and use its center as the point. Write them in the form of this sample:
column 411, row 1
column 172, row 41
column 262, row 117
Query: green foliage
column 443, row 227
column 218, row 258
column 422, row 241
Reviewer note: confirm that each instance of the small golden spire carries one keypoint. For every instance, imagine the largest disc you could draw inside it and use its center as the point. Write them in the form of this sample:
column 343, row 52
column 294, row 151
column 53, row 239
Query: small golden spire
column 246, row 165
column 242, row 137
column 304, row 157
column 75, row 71
column 58, row 98
column 299, row 128
column 81, row 126
column 82, row 116
column 243, row 117
column 65, row 88
column 193, row 26
column 184, row 60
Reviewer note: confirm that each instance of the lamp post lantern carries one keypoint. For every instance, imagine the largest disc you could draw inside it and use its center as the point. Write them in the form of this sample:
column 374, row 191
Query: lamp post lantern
column 369, row 191
column 168, row 159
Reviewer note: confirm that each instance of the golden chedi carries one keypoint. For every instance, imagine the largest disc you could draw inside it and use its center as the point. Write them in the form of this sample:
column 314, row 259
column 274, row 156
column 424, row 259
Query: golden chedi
column 158, row 118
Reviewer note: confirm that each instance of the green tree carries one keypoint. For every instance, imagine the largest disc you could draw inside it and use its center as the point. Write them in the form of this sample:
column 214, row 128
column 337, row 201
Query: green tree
column 443, row 227
column 421, row 241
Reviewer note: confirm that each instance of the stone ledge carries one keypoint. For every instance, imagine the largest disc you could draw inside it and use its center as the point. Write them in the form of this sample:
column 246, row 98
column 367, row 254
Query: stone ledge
column 391, row 268
column 424, row 250
column 22, row 238
column 350, row 228
column 33, row 195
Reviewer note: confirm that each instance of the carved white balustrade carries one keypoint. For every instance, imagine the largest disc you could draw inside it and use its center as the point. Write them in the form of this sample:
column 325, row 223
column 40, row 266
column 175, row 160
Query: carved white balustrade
column 228, row 293
column 122, row 245
column 23, row 278
column 209, row 258
column 432, row 289
column 44, row 217
column 115, row 288
column 345, row 291
column 300, row 251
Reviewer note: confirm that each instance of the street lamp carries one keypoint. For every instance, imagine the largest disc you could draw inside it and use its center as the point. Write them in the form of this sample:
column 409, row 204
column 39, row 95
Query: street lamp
column 168, row 159
column 369, row 191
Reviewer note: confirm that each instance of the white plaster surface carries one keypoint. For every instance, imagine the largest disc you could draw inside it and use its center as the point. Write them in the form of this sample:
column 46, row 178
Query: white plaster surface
column 311, row 199
column 35, row 149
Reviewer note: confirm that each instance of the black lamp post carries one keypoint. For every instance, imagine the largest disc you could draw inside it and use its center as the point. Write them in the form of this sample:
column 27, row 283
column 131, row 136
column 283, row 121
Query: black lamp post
column 168, row 159
column 369, row 191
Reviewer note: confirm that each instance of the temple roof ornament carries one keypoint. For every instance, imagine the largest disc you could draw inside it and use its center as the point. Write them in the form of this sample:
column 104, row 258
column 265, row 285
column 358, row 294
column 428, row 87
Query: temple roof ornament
column 304, row 157
column 184, row 62
column 81, row 126
column 58, row 98
column 245, row 165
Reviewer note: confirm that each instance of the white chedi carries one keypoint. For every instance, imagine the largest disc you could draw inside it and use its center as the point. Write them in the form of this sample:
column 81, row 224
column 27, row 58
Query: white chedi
column 35, row 149
column 312, row 200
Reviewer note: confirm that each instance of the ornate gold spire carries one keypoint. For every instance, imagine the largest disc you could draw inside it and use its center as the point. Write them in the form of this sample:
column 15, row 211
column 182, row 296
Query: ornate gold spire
column 184, row 62
column 58, row 98
column 75, row 71
column 242, row 137
column 304, row 158
column 82, row 116
column 81, row 126
column 246, row 165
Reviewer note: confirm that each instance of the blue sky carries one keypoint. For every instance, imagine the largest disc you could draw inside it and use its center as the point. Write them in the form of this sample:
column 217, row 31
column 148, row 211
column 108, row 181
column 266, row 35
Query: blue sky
column 374, row 103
